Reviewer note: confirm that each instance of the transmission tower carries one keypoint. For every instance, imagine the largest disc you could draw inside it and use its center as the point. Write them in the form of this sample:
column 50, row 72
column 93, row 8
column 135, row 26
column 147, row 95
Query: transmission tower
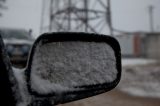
column 76, row 15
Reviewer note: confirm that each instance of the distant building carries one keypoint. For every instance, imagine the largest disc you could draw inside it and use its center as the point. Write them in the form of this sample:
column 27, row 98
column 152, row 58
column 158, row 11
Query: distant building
column 151, row 45
column 140, row 44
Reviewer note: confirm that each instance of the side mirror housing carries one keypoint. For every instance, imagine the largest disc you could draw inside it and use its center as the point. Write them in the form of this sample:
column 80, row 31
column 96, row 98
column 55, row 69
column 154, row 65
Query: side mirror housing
column 64, row 67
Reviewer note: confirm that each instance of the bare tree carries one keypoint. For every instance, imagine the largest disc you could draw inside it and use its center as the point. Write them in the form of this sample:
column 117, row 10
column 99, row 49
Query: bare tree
column 2, row 6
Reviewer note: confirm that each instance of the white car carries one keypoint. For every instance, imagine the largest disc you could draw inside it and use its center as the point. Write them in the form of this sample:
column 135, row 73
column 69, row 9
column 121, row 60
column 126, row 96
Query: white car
column 18, row 43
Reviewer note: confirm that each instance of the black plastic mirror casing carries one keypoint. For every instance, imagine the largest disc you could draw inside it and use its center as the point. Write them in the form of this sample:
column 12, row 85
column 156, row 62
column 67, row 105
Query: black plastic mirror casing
column 90, row 90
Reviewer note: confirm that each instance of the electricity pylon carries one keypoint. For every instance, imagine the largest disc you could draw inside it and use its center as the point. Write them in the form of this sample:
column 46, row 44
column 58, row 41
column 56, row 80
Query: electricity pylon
column 76, row 15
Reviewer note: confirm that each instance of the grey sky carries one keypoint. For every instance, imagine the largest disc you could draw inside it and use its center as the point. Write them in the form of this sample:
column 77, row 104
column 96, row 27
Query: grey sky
column 128, row 15
column 133, row 15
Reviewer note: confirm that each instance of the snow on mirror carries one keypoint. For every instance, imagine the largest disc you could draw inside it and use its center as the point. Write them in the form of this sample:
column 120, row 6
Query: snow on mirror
column 64, row 66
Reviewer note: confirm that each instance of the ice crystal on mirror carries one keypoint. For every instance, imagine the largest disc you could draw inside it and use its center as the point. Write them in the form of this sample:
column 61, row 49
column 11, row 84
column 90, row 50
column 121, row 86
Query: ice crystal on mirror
column 61, row 66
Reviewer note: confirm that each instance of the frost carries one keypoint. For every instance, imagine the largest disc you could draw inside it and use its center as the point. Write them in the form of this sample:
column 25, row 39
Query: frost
column 61, row 66
column 46, row 86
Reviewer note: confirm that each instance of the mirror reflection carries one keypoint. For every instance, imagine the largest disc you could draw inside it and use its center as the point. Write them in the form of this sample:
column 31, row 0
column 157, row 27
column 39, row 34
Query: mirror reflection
column 60, row 66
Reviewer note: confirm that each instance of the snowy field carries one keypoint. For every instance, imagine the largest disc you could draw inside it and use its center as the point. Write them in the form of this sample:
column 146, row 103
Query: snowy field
column 140, row 77
column 136, row 61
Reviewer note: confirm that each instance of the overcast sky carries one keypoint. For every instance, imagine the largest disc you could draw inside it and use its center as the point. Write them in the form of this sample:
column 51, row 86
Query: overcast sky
column 128, row 15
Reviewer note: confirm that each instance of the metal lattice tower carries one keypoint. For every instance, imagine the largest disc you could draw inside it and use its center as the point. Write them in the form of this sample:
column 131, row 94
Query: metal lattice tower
column 76, row 15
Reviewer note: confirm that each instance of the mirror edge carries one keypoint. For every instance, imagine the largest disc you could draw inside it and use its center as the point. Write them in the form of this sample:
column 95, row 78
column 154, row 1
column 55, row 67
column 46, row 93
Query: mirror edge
column 75, row 36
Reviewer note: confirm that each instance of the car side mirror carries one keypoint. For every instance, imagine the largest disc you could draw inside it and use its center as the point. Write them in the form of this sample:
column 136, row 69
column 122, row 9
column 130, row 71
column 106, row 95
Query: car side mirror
column 69, row 66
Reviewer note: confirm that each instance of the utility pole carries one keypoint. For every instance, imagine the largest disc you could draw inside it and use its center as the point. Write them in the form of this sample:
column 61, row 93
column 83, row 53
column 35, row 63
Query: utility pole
column 109, row 17
column 151, row 19
column 2, row 6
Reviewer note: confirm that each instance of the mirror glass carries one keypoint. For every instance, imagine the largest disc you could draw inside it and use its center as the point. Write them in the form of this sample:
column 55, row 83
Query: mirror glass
column 67, row 66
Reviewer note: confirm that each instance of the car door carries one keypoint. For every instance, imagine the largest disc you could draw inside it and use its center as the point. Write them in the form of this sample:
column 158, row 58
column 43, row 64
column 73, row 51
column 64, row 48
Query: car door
column 5, row 71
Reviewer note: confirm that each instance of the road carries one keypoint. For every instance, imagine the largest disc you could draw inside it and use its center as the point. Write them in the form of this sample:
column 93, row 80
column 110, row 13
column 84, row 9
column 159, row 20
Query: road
column 115, row 98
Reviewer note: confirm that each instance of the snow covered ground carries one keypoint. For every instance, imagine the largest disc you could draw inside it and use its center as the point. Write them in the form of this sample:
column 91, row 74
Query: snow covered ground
column 140, row 77
column 136, row 61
